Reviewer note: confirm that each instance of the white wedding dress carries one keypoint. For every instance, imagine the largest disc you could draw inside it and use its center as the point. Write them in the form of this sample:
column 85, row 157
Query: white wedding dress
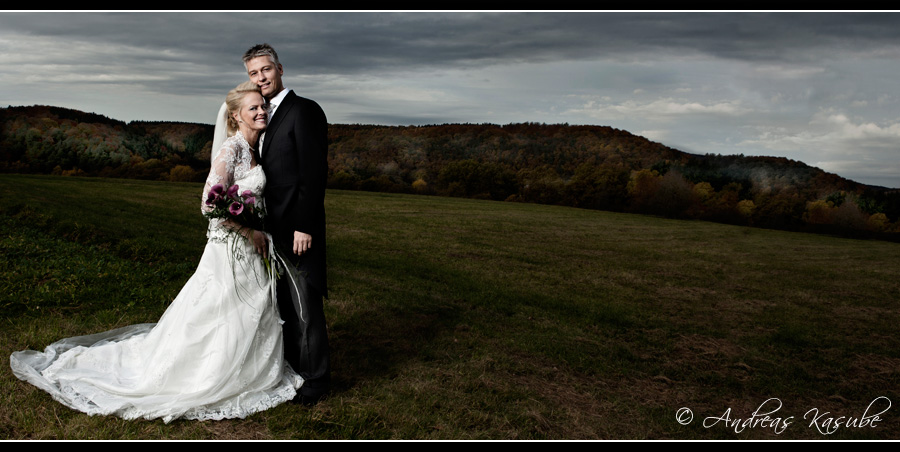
column 215, row 353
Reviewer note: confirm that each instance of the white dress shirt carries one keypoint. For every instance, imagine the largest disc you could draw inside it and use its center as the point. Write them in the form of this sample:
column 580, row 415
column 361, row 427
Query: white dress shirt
column 273, row 105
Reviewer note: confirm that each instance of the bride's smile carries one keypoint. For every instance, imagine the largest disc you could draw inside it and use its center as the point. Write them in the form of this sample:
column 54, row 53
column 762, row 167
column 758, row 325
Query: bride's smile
column 253, row 112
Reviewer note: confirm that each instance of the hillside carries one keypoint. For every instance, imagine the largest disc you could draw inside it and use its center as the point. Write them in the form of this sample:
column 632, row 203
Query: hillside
column 592, row 167
column 53, row 140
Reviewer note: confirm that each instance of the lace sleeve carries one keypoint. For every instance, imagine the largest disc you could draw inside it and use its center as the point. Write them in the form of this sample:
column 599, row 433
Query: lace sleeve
column 220, row 172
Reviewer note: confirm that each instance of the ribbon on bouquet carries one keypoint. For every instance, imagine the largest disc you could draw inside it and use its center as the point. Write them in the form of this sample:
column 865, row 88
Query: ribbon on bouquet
column 297, row 281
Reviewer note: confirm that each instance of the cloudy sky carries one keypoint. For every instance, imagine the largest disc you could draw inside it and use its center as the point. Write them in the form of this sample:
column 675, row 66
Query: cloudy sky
column 819, row 87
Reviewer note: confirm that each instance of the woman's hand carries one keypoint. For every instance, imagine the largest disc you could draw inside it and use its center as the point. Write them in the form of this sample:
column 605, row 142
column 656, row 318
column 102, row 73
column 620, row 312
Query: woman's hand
column 259, row 242
column 256, row 238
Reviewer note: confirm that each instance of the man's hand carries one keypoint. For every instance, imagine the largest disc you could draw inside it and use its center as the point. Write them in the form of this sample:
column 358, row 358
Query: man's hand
column 302, row 242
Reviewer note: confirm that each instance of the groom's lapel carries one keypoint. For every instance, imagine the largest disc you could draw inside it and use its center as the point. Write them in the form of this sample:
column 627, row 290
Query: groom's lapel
column 276, row 121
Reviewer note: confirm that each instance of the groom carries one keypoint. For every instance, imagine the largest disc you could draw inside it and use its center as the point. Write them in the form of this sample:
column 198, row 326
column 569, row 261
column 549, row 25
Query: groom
column 293, row 155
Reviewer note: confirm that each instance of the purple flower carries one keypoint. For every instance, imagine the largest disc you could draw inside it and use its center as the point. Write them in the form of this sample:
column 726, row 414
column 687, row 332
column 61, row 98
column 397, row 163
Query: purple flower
column 215, row 193
column 235, row 208
column 246, row 194
column 251, row 201
column 232, row 191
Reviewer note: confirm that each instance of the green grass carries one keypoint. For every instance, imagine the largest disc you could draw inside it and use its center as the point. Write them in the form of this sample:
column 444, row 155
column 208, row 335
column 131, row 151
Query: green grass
column 466, row 319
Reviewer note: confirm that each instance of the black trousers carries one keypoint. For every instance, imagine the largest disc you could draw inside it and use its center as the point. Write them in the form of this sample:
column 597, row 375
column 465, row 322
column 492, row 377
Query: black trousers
column 305, row 343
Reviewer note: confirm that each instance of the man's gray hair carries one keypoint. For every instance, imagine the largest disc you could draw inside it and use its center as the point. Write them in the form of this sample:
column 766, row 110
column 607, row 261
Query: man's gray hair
column 261, row 50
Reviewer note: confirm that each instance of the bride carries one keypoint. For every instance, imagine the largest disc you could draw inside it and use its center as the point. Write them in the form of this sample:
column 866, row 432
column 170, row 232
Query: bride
column 216, row 352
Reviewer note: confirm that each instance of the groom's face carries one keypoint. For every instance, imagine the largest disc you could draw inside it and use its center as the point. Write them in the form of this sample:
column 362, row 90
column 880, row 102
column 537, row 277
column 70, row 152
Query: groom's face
column 266, row 74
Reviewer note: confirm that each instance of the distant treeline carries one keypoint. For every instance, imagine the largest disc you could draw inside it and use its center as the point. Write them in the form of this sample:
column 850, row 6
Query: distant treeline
column 53, row 140
column 592, row 167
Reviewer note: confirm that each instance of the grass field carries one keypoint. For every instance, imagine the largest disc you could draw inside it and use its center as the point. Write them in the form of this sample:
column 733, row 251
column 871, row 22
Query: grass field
column 463, row 319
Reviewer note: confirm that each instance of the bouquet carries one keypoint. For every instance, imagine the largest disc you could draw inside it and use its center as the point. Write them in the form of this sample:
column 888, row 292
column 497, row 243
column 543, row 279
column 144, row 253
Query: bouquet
column 241, row 209
column 226, row 204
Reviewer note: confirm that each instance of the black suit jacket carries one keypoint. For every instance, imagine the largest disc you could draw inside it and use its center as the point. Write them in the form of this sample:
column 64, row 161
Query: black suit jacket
column 295, row 159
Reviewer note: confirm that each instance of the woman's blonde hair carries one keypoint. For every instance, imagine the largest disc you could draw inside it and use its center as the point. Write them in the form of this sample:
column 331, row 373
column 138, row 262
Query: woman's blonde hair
column 233, row 104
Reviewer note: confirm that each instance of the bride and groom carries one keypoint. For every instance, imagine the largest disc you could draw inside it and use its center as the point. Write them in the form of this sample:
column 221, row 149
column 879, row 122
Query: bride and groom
column 236, row 339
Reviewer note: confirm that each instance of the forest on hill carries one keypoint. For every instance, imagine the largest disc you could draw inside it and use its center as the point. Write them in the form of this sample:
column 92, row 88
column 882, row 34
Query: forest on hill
column 593, row 167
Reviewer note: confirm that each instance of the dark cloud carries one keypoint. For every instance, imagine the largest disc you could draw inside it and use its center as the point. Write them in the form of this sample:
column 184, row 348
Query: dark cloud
column 349, row 42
